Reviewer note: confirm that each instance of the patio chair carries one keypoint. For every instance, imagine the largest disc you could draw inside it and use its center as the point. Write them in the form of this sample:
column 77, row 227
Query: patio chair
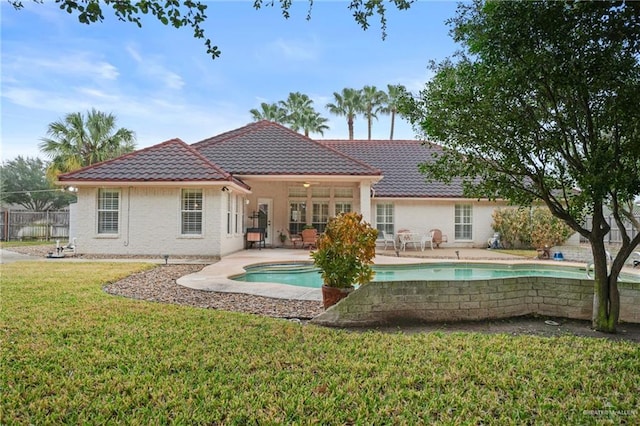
column 437, row 238
column 309, row 237
column 295, row 239
column 388, row 238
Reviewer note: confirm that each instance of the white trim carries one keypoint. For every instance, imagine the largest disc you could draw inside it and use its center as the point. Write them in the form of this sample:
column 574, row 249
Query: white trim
column 176, row 184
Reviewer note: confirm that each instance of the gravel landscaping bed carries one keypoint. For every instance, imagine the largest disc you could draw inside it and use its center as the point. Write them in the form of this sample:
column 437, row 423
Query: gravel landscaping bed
column 159, row 285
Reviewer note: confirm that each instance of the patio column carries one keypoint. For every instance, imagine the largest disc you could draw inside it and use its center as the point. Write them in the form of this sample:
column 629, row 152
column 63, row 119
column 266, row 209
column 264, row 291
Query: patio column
column 365, row 201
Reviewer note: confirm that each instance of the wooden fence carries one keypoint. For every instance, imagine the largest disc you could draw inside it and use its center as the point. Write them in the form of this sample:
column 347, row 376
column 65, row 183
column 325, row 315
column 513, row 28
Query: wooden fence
column 29, row 225
column 614, row 236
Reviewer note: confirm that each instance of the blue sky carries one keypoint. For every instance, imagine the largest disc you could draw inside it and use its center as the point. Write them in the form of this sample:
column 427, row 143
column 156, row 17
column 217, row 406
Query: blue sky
column 160, row 82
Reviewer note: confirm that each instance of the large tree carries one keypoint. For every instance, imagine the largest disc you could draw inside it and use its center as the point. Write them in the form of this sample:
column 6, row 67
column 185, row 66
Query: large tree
column 542, row 104
column 394, row 96
column 373, row 102
column 347, row 103
column 300, row 115
column 191, row 13
column 81, row 140
column 23, row 181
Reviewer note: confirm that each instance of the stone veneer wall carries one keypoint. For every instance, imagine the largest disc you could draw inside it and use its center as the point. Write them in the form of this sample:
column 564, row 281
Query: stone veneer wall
column 425, row 301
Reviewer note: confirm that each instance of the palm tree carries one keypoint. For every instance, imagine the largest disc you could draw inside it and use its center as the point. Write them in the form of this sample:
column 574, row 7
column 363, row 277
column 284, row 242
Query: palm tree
column 312, row 122
column 271, row 112
column 80, row 141
column 347, row 104
column 300, row 114
column 393, row 98
column 373, row 101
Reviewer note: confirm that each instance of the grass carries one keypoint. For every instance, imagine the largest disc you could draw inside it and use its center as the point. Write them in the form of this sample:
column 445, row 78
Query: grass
column 524, row 253
column 74, row 354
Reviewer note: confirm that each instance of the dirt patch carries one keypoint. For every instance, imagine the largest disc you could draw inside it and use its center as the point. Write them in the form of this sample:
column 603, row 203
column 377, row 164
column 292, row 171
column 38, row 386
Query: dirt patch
column 527, row 325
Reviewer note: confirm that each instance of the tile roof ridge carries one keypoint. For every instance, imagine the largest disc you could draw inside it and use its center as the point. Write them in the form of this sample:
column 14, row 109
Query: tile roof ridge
column 129, row 154
column 230, row 134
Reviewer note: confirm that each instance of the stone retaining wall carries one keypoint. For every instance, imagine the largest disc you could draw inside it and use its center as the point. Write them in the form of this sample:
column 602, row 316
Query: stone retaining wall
column 430, row 301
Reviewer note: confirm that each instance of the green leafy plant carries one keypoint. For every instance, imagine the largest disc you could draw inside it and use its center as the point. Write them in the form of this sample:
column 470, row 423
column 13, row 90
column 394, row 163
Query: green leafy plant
column 535, row 227
column 346, row 250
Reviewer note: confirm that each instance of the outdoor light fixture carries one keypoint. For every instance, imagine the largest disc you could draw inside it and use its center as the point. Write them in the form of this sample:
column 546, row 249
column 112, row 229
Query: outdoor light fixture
column 225, row 189
column 306, row 184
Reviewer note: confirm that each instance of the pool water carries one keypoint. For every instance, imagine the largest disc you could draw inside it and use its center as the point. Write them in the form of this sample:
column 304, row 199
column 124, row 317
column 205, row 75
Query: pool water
column 306, row 275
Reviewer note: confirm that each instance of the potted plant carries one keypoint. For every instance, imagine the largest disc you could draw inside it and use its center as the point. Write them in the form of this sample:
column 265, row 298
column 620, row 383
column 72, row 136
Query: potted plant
column 344, row 255
column 282, row 235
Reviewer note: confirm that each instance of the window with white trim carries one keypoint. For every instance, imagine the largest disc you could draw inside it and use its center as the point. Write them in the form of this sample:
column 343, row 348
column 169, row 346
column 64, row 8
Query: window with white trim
column 342, row 207
column 297, row 216
column 340, row 192
column 229, row 208
column 236, row 211
column 320, row 215
column 463, row 222
column 191, row 212
column 384, row 218
column 108, row 211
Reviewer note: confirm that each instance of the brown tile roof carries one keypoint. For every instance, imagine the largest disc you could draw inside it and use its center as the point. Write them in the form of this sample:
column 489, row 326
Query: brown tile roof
column 170, row 161
column 398, row 160
column 268, row 148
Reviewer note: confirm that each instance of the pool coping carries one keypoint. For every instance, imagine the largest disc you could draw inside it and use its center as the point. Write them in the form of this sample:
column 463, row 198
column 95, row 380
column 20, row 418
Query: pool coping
column 215, row 277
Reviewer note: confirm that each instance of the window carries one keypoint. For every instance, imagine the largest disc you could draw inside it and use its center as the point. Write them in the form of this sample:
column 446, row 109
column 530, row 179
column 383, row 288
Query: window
column 297, row 216
column 463, row 222
column 228, row 212
column 343, row 192
column 191, row 209
column 320, row 215
column 384, row 218
column 320, row 192
column 108, row 211
column 297, row 192
column 236, row 211
column 342, row 207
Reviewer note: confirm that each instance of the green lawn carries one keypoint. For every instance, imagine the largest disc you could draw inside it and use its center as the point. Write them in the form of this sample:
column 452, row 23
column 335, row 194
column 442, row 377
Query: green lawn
column 72, row 354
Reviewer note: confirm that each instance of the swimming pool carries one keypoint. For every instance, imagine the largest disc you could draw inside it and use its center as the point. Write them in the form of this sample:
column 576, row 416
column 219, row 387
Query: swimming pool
column 306, row 275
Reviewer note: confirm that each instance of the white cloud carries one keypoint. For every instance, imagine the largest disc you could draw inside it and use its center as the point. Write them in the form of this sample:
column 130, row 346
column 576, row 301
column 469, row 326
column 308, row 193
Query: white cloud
column 153, row 68
column 291, row 50
column 76, row 64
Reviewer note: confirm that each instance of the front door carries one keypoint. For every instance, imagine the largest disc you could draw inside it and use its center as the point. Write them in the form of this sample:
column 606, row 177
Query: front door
column 265, row 207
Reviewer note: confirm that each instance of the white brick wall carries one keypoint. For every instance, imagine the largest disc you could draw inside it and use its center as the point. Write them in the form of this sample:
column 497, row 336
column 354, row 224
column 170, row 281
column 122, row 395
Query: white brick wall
column 149, row 224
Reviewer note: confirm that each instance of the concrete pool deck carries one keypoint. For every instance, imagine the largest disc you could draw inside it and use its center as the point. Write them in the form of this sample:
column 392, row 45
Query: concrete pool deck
column 215, row 277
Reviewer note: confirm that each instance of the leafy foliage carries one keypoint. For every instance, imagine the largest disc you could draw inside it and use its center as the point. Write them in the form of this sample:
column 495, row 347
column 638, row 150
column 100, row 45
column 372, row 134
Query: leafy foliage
column 81, row 140
column 373, row 102
column 191, row 13
column 541, row 104
column 347, row 103
column 535, row 227
column 23, row 181
column 346, row 250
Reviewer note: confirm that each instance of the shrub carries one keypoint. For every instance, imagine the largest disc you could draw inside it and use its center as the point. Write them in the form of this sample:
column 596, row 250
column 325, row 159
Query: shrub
column 529, row 227
column 345, row 251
